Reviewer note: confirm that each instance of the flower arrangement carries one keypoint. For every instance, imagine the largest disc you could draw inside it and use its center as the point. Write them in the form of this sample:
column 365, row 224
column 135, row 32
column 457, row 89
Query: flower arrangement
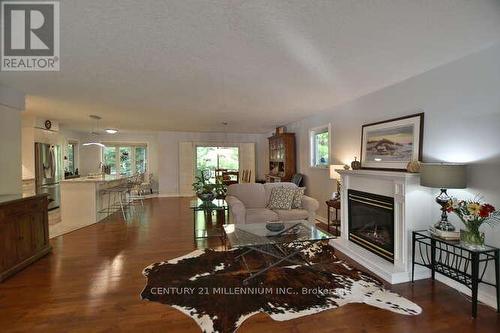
column 473, row 213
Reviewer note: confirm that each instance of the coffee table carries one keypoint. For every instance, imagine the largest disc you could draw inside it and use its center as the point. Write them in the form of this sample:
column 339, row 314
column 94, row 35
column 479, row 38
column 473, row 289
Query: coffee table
column 283, row 246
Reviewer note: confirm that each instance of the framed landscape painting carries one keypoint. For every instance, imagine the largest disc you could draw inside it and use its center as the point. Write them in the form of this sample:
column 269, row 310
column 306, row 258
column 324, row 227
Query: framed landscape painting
column 391, row 144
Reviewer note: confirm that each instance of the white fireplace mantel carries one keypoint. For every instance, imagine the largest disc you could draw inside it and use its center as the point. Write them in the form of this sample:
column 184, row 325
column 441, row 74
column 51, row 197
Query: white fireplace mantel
column 412, row 211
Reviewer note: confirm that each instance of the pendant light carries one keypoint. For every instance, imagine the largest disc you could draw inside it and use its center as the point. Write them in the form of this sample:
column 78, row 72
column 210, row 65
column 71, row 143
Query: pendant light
column 94, row 133
column 225, row 123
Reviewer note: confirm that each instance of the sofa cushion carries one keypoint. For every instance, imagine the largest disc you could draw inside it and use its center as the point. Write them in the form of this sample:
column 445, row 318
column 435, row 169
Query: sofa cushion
column 268, row 187
column 251, row 194
column 292, row 214
column 297, row 197
column 260, row 215
column 281, row 198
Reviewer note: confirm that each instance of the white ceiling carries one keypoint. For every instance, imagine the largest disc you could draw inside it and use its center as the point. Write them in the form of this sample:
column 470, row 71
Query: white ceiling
column 189, row 65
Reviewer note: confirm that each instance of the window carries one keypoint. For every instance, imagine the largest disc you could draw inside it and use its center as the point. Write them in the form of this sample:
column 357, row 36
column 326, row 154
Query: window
column 320, row 146
column 140, row 159
column 70, row 158
column 125, row 159
column 109, row 158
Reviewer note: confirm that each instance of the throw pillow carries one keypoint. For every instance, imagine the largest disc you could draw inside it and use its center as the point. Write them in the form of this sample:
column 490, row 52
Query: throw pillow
column 281, row 198
column 297, row 197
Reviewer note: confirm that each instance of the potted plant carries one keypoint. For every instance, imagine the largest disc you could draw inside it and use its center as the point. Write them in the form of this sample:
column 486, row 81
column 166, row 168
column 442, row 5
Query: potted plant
column 473, row 214
column 207, row 191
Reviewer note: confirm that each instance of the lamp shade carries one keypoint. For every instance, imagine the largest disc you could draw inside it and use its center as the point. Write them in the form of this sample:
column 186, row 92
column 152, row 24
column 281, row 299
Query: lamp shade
column 334, row 174
column 440, row 175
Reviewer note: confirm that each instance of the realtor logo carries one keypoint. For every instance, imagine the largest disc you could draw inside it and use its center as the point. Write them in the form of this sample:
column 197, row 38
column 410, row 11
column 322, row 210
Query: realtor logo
column 30, row 36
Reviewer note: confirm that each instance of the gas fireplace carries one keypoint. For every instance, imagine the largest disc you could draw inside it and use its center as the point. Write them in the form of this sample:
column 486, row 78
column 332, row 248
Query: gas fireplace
column 371, row 222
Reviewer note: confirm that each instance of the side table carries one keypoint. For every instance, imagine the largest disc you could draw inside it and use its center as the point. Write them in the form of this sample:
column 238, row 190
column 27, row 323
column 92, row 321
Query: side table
column 335, row 204
column 457, row 262
column 205, row 228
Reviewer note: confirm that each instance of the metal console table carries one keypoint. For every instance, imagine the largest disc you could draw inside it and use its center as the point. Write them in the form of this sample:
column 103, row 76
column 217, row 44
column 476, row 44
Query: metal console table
column 457, row 262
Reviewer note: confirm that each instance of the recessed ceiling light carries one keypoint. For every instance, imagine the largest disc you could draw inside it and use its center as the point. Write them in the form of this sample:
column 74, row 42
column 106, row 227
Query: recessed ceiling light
column 111, row 131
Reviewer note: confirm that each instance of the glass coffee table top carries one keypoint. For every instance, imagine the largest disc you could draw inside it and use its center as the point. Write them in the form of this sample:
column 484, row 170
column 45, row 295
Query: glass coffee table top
column 255, row 234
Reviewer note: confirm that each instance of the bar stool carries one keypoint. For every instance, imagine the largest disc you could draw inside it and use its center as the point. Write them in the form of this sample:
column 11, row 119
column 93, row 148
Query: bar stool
column 116, row 200
column 135, row 191
column 131, row 196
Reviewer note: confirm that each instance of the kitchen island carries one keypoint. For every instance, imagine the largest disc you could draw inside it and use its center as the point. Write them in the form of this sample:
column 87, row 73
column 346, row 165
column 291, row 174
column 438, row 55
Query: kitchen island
column 81, row 201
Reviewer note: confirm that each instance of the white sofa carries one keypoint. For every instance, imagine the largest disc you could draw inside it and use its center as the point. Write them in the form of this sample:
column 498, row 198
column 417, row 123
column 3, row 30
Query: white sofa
column 248, row 204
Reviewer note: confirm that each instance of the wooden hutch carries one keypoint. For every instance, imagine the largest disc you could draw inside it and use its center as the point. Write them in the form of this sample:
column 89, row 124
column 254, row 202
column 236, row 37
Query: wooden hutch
column 281, row 157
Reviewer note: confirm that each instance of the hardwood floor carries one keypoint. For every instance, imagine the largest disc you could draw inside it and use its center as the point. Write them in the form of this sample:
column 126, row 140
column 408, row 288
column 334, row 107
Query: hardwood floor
column 92, row 280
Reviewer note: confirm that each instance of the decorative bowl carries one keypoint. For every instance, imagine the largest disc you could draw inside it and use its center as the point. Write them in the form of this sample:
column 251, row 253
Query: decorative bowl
column 275, row 226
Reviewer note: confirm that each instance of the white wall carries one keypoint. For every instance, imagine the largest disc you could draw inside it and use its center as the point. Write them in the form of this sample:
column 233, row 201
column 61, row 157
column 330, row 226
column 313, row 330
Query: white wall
column 461, row 101
column 11, row 105
column 28, row 147
column 168, row 145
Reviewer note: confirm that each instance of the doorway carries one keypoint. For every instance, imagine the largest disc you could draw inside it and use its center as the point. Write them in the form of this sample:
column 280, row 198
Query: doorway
column 214, row 158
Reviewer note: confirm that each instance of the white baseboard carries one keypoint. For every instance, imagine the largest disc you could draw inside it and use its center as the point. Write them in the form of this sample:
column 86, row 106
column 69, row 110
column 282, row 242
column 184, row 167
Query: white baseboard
column 168, row 195
column 484, row 296
column 149, row 196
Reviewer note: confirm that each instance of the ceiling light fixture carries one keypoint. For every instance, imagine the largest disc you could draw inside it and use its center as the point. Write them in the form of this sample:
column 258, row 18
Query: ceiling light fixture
column 94, row 133
column 111, row 130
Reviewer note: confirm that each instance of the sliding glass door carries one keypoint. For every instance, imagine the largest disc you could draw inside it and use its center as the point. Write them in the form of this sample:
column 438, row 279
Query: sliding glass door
column 216, row 158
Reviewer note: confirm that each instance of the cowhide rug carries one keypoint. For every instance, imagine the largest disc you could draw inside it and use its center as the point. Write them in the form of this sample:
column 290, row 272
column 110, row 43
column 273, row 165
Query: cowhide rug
column 207, row 286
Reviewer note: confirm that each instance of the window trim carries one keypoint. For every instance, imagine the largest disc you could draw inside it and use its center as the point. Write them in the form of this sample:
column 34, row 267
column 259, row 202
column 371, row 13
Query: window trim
column 312, row 132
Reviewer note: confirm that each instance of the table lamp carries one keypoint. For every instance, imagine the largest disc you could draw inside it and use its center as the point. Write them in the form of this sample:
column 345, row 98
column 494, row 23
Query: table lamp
column 335, row 175
column 443, row 176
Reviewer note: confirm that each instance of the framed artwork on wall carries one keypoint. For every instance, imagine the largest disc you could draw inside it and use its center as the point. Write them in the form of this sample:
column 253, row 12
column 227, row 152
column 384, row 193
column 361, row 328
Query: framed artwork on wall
column 393, row 143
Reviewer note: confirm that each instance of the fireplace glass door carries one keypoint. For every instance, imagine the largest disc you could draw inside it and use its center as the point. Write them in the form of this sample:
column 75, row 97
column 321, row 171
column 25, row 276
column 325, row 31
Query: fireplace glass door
column 371, row 222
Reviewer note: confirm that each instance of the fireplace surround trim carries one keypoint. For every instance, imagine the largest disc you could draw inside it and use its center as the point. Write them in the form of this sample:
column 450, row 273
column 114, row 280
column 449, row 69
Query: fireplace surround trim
column 412, row 211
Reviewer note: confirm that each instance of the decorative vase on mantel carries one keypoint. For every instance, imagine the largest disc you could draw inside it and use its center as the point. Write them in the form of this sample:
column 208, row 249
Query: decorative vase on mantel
column 473, row 214
column 356, row 165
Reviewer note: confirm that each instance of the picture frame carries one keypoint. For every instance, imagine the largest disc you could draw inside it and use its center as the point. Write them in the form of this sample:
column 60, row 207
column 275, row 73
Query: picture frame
column 391, row 144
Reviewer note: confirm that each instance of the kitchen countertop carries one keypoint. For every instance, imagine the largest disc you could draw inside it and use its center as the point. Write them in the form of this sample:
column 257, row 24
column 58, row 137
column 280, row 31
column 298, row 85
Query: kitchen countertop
column 102, row 179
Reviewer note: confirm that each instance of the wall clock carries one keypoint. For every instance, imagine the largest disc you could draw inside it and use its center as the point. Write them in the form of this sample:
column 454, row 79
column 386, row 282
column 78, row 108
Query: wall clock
column 48, row 124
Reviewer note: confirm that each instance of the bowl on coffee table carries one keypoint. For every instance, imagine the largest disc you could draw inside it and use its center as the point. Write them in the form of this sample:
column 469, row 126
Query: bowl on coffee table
column 275, row 226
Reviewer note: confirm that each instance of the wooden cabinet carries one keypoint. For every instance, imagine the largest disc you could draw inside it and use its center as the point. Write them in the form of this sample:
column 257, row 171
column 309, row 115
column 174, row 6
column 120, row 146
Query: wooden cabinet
column 24, row 232
column 281, row 157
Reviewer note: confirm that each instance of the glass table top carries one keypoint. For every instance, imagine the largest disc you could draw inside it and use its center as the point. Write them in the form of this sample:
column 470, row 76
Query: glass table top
column 216, row 204
column 455, row 243
column 255, row 234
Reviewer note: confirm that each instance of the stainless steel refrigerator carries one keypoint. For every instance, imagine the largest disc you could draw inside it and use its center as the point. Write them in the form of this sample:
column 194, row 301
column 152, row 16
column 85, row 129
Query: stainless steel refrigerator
column 48, row 172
